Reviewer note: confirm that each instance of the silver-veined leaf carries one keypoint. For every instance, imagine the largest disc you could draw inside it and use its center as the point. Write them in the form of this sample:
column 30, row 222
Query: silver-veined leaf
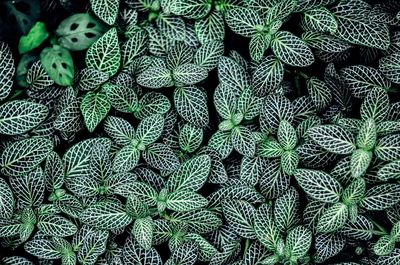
column 106, row 10
column 7, row 70
column 333, row 138
column 23, row 156
column 94, row 107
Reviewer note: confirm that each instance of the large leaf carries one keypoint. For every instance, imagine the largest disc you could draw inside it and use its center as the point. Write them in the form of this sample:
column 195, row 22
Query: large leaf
column 104, row 54
column 268, row 76
column 388, row 147
column 240, row 215
column 143, row 232
column 333, row 138
column 161, row 157
column 150, row 129
column 381, row 197
column 319, row 185
column 298, row 242
column 191, row 175
column 291, row 50
column 390, row 67
column 244, row 21
column 94, row 107
column 355, row 26
column 106, row 215
column 107, row 10
column 189, row 74
column 58, row 63
column 56, row 226
column 20, row 116
column 155, row 77
column 361, row 79
column 185, row 200
column 23, row 156
column 191, row 105
column 333, row 218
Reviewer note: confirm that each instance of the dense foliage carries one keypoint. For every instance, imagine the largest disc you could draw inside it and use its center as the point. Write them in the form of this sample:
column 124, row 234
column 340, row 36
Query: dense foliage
column 179, row 132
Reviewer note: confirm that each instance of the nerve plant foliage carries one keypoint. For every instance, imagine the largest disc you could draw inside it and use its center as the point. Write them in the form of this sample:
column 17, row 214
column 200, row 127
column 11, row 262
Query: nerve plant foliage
column 184, row 132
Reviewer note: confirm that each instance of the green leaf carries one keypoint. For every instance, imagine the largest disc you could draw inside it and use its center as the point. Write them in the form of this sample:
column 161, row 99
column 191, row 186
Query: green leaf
column 389, row 171
column 240, row 216
column 355, row 192
column 21, row 116
column 207, row 56
column 287, row 210
column 221, row 142
column 381, row 197
column 199, row 221
column 184, row 200
column 106, row 215
column 244, row 21
column 319, row 92
column 319, row 185
column 106, row 10
column 268, row 76
column 384, row 246
column 23, row 156
column 189, row 74
column 94, row 244
column 355, row 26
column 367, row 134
column 194, row 9
column 190, row 138
column 191, row 105
column 7, row 70
column 56, row 226
column 265, row 228
column 320, row 19
column 133, row 253
column 287, row 135
column 134, row 47
column 122, row 98
column 388, row 148
column 190, row 175
column 160, row 157
column 359, row 163
column 120, row 130
column 152, row 103
column 298, row 242
column 171, row 27
column 362, row 79
column 104, row 54
column 155, row 77
column 291, row 50
column 333, row 218
column 94, row 107
column 375, row 106
column 126, row 159
column 143, row 232
column 79, row 31
column 225, row 101
column 333, row 138
column 390, row 67
column 210, row 28
column 275, row 109
column 45, row 249
column 232, row 74
column 58, row 63
column 6, row 200
column 35, row 37
column 29, row 189
column 243, row 141
column 325, row 44
column 150, row 129
column 280, row 10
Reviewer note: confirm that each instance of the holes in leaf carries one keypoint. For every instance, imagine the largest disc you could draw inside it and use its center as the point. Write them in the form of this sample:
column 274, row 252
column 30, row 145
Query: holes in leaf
column 60, row 75
column 59, row 54
column 90, row 35
column 74, row 39
column 64, row 65
column 90, row 25
column 73, row 26
column 54, row 65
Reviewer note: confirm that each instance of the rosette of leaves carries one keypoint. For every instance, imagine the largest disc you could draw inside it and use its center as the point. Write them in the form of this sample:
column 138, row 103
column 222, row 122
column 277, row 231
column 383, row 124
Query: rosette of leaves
column 373, row 135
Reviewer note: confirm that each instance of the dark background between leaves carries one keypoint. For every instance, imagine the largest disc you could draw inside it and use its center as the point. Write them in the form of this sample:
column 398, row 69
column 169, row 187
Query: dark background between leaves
column 52, row 13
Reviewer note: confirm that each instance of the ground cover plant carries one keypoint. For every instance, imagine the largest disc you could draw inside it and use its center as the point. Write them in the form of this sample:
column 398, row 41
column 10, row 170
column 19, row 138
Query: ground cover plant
column 181, row 132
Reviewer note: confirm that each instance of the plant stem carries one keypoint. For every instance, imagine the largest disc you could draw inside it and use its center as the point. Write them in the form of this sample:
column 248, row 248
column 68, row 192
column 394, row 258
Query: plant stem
column 246, row 246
